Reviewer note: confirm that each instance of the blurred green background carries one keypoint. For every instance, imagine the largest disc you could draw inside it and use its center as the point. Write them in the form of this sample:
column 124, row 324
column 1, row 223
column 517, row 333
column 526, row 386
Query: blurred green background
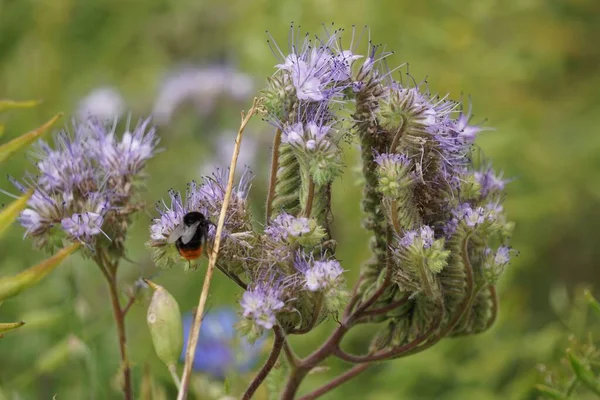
column 532, row 68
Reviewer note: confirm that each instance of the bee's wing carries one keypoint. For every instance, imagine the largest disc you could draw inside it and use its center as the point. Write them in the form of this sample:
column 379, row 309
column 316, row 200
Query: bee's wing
column 189, row 233
column 178, row 232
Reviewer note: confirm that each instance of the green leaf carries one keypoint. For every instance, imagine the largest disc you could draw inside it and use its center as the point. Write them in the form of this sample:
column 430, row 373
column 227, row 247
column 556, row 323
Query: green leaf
column 10, row 326
column 11, row 286
column 1, row 130
column 11, row 104
column 10, row 213
column 8, row 149
column 585, row 375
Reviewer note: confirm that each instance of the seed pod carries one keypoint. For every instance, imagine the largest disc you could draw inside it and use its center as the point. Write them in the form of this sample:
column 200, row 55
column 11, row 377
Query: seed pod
column 164, row 322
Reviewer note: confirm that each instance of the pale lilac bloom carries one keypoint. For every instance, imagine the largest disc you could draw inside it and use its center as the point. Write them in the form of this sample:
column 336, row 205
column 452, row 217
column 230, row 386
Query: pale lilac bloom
column 424, row 233
column 206, row 198
column 285, row 225
column 489, row 181
column 261, row 303
column 129, row 155
column 322, row 275
column 387, row 160
column 341, row 65
column 293, row 134
column 502, row 256
column 466, row 131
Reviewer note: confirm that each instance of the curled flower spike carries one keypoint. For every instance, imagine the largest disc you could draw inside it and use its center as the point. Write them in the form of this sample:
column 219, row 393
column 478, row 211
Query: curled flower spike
column 394, row 174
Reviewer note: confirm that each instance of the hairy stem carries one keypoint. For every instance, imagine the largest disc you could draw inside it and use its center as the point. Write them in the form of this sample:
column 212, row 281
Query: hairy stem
column 194, row 332
column 492, row 319
column 273, row 175
column 269, row 364
column 387, row 308
column 343, row 378
column 111, row 277
column 290, row 355
column 309, row 198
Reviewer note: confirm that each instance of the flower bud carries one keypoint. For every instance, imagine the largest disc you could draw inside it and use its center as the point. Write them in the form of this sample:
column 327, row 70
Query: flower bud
column 393, row 171
column 164, row 322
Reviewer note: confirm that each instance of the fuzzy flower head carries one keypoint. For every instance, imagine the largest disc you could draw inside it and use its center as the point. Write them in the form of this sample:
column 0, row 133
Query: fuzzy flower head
column 77, row 191
column 422, row 237
column 261, row 302
column 490, row 182
column 318, row 275
column 128, row 156
column 315, row 71
column 420, row 247
column 287, row 228
column 317, row 68
column 309, row 137
column 206, row 198
column 466, row 131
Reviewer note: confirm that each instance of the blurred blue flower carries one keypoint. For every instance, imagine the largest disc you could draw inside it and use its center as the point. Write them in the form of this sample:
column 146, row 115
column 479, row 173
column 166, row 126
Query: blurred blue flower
column 219, row 349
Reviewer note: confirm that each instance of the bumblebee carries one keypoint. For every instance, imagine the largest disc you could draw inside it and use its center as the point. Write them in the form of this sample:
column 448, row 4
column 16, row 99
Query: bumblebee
column 190, row 236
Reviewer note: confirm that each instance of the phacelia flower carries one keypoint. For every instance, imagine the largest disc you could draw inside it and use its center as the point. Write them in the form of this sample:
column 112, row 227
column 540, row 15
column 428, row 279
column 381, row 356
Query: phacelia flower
column 502, row 256
column 84, row 184
column 260, row 303
column 424, row 234
column 309, row 137
column 220, row 350
column 489, row 181
column 129, row 155
column 466, row 131
column 206, row 198
column 318, row 274
column 287, row 228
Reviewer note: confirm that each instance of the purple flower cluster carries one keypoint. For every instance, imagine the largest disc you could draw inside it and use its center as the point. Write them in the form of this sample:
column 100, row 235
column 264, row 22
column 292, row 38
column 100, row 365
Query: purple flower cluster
column 425, row 235
column 489, row 181
column 286, row 225
column 83, row 177
column 261, row 302
column 206, row 198
column 472, row 216
column 310, row 136
column 318, row 70
column 318, row 275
